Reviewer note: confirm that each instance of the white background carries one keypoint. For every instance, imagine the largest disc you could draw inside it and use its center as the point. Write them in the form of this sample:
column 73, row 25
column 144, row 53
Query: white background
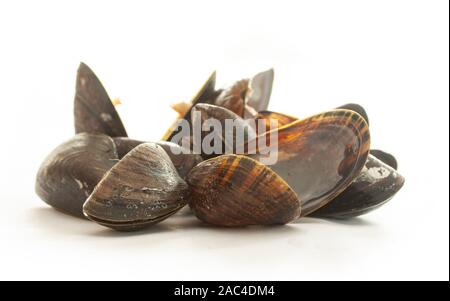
column 390, row 56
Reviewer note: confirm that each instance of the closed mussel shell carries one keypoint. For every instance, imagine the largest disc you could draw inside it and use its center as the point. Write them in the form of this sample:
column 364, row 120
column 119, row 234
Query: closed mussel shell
column 234, row 190
column 142, row 189
column 69, row 174
column 320, row 156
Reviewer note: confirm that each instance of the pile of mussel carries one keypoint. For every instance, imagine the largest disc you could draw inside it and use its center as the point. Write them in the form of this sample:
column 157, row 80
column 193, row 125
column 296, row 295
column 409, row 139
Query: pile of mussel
column 325, row 167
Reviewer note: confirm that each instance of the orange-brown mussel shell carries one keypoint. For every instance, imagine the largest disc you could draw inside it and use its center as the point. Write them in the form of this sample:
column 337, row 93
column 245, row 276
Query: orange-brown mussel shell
column 234, row 190
column 320, row 156
column 375, row 186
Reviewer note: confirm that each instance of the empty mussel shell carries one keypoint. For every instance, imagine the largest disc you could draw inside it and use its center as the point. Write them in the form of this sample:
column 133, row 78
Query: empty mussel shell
column 93, row 109
column 320, row 156
column 70, row 173
column 142, row 189
column 182, row 159
column 234, row 190
column 375, row 186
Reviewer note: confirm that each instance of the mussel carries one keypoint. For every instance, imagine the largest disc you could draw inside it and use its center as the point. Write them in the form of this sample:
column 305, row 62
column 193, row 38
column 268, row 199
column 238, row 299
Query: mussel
column 323, row 165
column 247, row 97
column 370, row 190
column 93, row 109
column 142, row 189
column 244, row 98
column 233, row 98
column 69, row 174
column 376, row 185
column 234, row 190
column 234, row 130
column 320, row 156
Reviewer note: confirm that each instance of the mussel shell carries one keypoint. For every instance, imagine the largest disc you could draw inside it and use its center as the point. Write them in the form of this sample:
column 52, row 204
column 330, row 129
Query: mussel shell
column 93, row 109
column 206, row 94
column 320, row 156
column 142, row 189
column 183, row 160
column 385, row 157
column 375, row 186
column 228, row 138
column 233, row 97
column 70, row 173
column 233, row 190
column 260, row 90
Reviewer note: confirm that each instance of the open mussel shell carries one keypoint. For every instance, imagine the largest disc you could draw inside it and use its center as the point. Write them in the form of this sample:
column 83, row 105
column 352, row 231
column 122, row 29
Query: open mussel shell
column 142, row 189
column 206, row 94
column 70, row 173
column 375, row 186
column 320, row 156
column 234, row 190
column 182, row 158
column 94, row 111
